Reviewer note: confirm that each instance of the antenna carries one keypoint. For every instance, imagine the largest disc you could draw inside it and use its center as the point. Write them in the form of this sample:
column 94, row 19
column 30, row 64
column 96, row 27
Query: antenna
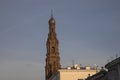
column 73, row 62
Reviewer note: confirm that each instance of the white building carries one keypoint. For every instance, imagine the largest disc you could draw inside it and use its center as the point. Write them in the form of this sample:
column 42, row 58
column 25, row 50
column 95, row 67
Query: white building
column 74, row 73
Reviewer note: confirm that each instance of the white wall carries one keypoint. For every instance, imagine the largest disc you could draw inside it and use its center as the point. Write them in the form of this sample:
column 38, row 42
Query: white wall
column 75, row 74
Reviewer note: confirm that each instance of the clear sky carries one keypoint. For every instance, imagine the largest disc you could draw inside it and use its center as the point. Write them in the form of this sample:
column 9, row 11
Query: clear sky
column 88, row 32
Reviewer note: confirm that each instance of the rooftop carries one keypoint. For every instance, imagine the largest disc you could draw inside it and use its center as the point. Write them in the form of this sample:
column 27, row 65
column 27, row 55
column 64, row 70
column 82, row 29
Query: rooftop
column 113, row 62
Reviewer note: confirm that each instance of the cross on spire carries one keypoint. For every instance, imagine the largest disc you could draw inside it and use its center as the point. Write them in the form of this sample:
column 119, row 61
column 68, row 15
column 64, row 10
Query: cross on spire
column 51, row 13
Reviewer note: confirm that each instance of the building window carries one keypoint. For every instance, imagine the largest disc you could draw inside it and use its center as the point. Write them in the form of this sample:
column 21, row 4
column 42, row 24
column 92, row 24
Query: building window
column 53, row 49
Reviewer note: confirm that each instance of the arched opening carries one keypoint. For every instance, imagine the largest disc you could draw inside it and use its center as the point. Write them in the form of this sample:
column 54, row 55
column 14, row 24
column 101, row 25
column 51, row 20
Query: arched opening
column 53, row 49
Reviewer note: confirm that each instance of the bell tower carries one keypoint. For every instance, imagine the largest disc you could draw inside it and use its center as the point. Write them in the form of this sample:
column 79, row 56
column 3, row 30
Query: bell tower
column 52, row 55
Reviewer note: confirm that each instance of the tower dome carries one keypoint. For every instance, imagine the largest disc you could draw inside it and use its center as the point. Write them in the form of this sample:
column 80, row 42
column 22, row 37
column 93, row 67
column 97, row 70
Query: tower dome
column 52, row 20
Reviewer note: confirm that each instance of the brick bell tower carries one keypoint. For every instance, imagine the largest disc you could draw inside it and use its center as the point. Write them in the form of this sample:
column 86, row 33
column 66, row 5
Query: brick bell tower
column 52, row 55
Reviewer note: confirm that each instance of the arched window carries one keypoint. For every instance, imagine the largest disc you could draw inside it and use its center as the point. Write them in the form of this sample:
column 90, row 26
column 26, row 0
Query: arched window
column 53, row 49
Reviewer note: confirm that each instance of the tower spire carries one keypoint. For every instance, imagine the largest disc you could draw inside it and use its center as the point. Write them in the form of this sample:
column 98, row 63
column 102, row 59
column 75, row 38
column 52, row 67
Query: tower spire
column 51, row 13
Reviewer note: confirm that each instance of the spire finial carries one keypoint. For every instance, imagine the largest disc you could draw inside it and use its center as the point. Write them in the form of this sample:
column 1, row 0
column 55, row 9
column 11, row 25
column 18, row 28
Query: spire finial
column 51, row 13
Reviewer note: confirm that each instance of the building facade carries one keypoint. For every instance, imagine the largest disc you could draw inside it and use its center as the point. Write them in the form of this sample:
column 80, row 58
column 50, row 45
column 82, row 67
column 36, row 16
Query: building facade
column 52, row 55
column 74, row 73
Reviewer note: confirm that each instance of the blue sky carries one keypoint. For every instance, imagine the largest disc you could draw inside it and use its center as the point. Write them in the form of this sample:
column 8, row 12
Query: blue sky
column 88, row 32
